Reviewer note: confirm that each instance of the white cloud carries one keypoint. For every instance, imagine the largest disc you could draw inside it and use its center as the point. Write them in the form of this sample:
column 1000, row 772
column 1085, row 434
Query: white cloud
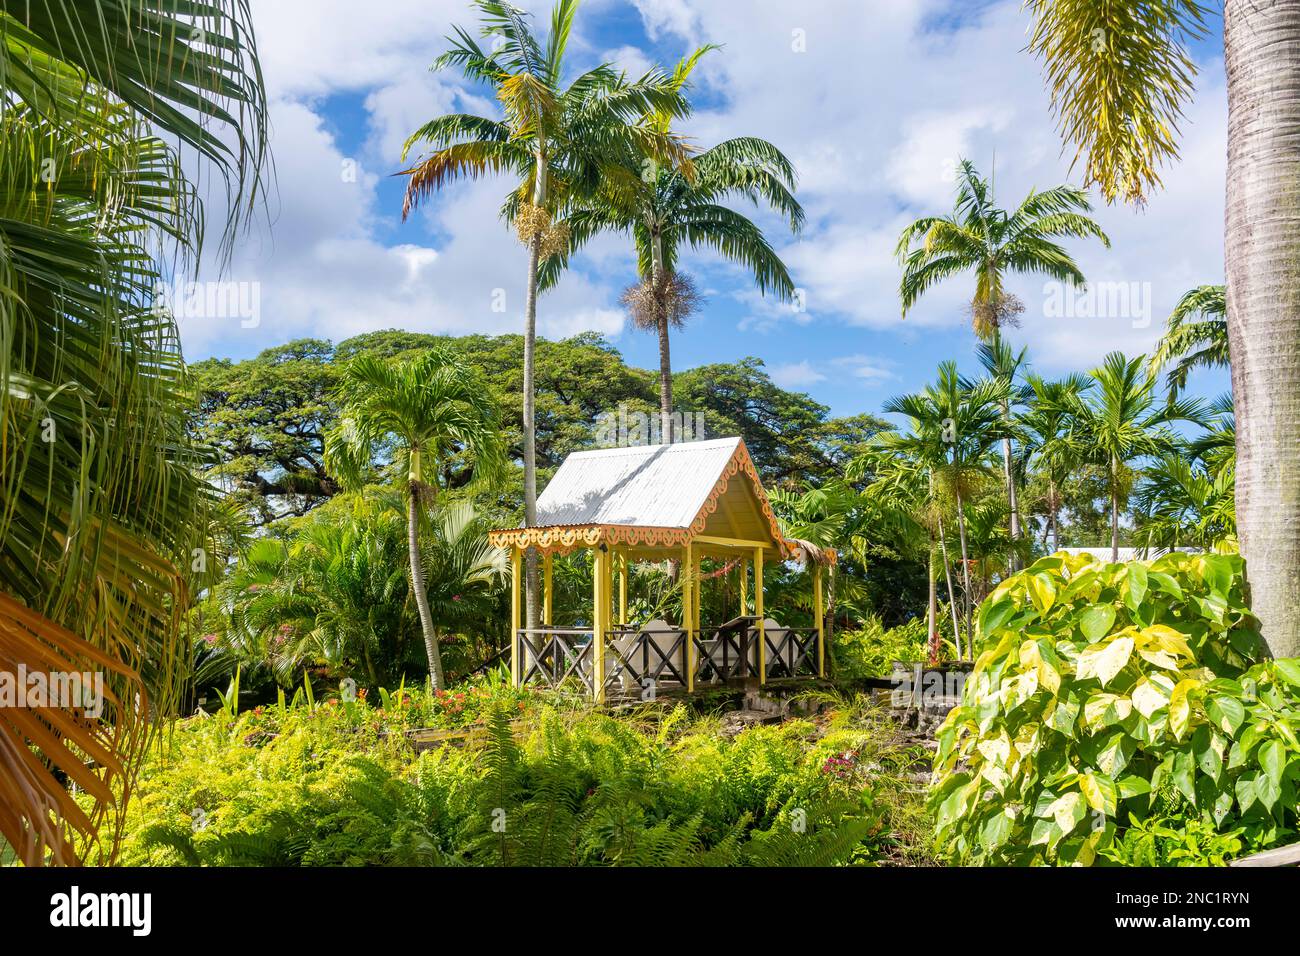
column 872, row 112
column 795, row 375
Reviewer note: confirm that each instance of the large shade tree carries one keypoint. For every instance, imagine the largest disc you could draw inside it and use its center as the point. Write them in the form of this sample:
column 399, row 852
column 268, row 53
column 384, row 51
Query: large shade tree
column 560, row 142
column 980, row 238
column 1120, row 74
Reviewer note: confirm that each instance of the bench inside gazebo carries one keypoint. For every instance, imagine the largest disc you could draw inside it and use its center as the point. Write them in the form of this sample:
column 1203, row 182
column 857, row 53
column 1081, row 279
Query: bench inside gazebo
column 684, row 502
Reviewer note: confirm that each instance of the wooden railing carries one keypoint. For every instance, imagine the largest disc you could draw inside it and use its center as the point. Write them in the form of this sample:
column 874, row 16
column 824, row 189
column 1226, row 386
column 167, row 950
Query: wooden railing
column 555, row 655
column 639, row 662
column 730, row 652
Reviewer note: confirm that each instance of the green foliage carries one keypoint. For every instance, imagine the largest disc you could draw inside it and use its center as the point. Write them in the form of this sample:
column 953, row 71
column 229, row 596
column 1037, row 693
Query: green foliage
column 870, row 651
column 527, row 783
column 1100, row 691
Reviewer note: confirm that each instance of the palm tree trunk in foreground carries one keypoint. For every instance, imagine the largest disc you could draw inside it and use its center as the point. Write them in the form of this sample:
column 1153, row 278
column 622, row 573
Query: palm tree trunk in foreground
column 1262, row 253
column 417, row 585
column 530, row 430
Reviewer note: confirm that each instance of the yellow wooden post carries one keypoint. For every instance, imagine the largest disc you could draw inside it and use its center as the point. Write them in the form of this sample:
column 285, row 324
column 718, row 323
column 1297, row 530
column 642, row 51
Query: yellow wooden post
column 818, row 609
column 744, row 587
column 690, row 601
column 516, row 557
column 622, row 590
column 758, row 612
column 698, row 603
column 598, row 578
column 547, row 601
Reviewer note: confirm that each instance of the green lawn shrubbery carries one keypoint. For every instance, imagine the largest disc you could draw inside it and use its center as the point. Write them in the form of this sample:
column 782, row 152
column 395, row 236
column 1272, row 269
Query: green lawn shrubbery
column 339, row 784
column 1120, row 713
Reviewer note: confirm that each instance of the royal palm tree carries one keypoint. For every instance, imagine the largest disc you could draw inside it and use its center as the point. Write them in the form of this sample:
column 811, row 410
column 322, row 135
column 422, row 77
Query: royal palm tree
column 417, row 414
column 1194, row 344
column 561, row 142
column 978, row 237
column 1119, row 74
column 103, row 521
column 666, row 210
column 1122, row 421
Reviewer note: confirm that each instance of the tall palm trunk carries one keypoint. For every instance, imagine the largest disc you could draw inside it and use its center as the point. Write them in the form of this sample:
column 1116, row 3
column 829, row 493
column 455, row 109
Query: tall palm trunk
column 1114, row 509
column 665, row 382
column 932, row 633
column 1013, row 497
column 661, row 322
column 1053, row 515
column 965, row 556
column 417, row 585
column 952, row 600
column 531, row 602
column 1009, row 475
column 1262, row 253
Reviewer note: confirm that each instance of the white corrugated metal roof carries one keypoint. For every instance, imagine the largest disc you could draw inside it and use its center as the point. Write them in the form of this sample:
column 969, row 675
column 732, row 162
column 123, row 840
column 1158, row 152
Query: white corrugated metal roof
column 655, row 486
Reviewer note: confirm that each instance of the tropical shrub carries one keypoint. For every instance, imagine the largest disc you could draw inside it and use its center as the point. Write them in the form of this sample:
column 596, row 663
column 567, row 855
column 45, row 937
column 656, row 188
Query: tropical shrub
column 1106, row 693
column 870, row 650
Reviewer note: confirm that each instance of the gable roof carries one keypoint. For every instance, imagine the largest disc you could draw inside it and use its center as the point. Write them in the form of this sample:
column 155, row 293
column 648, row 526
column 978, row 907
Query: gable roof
column 646, row 495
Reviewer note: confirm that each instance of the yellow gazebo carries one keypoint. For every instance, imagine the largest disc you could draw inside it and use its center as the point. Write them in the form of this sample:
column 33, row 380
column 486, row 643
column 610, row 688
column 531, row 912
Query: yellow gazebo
column 656, row 503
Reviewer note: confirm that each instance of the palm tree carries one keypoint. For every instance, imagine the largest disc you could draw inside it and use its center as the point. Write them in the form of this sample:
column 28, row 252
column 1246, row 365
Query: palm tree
column 1119, row 75
column 561, row 142
column 1055, row 448
column 954, row 426
column 900, row 504
column 1200, row 344
column 1003, row 367
column 103, row 520
column 465, row 573
column 1180, row 502
column 979, row 237
column 419, row 414
column 1122, row 421
column 666, row 209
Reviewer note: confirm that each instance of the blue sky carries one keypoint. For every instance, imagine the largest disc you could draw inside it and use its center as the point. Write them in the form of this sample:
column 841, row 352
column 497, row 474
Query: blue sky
column 874, row 102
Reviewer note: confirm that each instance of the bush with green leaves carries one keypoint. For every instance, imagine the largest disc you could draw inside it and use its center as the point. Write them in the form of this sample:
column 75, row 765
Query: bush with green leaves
column 1106, row 692
column 870, row 650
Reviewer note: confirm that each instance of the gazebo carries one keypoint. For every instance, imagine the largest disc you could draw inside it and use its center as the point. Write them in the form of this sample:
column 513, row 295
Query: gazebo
column 680, row 502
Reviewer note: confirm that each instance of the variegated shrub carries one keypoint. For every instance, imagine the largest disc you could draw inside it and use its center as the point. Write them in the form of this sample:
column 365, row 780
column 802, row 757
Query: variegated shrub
column 1100, row 686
